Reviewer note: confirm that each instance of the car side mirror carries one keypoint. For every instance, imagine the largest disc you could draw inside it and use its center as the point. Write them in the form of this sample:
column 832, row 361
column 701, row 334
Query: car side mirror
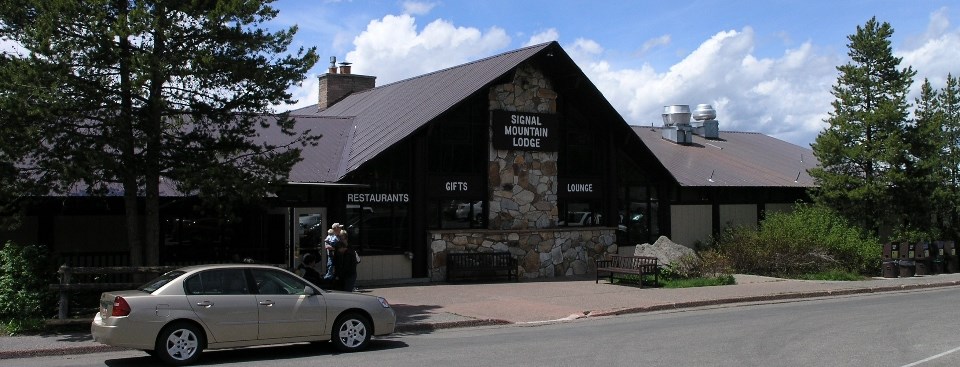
column 309, row 291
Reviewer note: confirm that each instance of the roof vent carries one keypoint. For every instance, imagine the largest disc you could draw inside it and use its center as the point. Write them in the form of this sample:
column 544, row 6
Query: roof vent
column 706, row 124
column 676, row 124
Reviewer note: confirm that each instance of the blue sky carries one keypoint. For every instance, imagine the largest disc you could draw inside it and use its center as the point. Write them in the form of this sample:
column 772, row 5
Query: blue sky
column 766, row 66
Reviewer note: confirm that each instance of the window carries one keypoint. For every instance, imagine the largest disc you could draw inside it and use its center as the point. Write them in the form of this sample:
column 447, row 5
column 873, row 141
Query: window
column 456, row 213
column 160, row 281
column 217, row 282
column 580, row 214
column 378, row 227
column 457, row 140
column 639, row 213
column 277, row 282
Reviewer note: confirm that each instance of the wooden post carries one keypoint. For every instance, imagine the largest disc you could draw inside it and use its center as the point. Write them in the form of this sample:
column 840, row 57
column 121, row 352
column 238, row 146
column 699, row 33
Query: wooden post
column 64, row 295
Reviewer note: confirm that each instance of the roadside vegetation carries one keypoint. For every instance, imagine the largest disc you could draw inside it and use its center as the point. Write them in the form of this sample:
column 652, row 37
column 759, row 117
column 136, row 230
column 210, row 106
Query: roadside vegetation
column 25, row 300
column 812, row 242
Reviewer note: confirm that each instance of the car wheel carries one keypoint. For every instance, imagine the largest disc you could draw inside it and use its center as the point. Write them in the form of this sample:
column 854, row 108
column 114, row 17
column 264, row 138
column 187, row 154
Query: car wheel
column 351, row 332
column 179, row 344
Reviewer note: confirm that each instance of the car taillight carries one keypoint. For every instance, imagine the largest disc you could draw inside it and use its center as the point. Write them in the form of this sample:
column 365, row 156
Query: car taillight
column 120, row 307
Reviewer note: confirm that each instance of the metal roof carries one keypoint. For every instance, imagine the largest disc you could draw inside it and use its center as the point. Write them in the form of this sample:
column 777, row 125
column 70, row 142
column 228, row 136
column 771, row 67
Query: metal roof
column 384, row 115
column 737, row 159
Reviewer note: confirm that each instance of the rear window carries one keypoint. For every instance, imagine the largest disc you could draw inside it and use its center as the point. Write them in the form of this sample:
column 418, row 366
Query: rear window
column 160, row 281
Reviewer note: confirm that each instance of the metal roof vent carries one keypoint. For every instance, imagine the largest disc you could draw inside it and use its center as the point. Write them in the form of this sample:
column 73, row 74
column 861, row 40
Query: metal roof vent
column 706, row 124
column 676, row 124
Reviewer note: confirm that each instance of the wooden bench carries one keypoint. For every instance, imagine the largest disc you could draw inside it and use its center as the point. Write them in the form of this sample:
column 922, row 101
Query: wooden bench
column 481, row 265
column 634, row 265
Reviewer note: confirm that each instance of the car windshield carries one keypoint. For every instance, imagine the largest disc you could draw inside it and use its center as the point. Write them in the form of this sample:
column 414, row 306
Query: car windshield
column 160, row 281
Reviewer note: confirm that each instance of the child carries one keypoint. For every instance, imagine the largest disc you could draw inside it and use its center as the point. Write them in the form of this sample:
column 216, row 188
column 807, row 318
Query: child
column 330, row 245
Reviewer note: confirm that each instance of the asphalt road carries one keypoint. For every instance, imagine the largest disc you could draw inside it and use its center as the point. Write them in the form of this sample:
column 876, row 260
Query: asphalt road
column 920, row 328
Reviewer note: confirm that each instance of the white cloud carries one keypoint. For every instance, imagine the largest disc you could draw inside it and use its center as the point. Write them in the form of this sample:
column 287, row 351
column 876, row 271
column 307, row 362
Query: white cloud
column 392, row 48
column 786, row 97
column 659, row 41
column 417, row 7
column 545, row 36
column 933, row 54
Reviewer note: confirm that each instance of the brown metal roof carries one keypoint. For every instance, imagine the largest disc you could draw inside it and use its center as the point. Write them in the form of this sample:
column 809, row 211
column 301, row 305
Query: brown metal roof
column 320, row 163
column 385, row 115
column 737, row 159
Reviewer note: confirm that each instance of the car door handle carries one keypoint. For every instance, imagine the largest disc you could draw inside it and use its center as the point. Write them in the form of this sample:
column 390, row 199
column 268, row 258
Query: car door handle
column 206, row 304
column 266, row 303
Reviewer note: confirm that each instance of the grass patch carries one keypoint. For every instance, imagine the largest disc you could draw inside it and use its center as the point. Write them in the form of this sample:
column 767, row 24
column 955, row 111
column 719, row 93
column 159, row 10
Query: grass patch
column 698, row 282
column 675, row 282
column 832, row 275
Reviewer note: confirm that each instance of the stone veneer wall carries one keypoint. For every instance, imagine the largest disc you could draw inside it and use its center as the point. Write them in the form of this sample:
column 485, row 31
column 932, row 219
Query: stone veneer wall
column 523, row 201
column 542, row 253
column 523, row 184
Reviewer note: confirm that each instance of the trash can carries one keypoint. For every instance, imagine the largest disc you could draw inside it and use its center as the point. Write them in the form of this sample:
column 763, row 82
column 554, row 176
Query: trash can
column 952, row 263
column 906, row 262
column 891, row 251
column 936, row 248
column 924, row 265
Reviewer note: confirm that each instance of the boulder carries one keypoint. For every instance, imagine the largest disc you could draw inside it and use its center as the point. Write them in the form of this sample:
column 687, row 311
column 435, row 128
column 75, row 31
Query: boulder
column 665, row 250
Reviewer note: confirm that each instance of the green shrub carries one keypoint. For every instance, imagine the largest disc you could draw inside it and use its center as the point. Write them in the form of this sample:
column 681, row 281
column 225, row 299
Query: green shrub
column 707, row 263
column 811, row 239
column 25, row 276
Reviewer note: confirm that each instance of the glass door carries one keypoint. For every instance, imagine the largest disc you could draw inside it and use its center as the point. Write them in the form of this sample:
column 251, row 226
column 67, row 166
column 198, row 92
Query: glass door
column 309, row 229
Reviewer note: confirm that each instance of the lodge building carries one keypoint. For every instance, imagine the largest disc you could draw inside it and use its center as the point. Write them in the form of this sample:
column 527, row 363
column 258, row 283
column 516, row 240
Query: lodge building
column 518, row 153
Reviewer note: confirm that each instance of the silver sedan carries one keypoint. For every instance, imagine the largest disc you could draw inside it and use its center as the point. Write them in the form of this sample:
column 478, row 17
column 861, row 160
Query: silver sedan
column 183, row 312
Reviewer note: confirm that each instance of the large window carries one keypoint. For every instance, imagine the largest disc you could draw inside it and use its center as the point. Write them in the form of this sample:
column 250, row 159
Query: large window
column 581, row 214
column 639, row 213
column 378, row 227
column 456, row 213
column 457, row 149
column 377, row 219
column 457, row 141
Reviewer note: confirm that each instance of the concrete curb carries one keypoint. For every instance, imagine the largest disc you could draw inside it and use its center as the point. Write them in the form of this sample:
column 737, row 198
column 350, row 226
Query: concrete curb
column 58, row 351
column 768, row 298
column 425, row 327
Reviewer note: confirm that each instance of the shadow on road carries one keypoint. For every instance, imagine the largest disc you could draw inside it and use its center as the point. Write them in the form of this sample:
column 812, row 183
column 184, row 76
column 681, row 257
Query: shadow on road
column 269, row 353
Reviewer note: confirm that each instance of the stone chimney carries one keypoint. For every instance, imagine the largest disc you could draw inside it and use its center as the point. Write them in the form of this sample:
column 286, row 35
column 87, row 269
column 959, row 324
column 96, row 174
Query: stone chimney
column 335, row 86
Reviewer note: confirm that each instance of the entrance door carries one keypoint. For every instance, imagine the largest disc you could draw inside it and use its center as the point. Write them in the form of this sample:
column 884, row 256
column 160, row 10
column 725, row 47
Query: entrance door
column 309, row 228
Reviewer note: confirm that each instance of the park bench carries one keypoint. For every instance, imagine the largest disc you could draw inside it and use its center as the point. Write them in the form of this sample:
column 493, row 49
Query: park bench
column 481, row 265
column 633, row 265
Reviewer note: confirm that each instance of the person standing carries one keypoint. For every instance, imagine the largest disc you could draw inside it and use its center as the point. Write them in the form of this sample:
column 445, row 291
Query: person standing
column 345, row 263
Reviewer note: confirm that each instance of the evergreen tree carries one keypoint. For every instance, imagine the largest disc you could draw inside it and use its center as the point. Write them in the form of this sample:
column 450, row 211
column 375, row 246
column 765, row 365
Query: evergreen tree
column 862, row 151
column 118, row 95
column 922, row 195
column 948, row 106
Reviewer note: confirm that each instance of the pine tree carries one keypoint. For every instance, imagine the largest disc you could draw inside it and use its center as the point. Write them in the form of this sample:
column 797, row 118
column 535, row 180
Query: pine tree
column 862, row 152
column 119, row 95
column 921, row 194
column 948, row 106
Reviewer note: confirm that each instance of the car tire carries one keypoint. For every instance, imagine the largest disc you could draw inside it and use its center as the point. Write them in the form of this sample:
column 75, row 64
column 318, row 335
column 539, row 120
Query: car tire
column 180, row 344
column 351, row 332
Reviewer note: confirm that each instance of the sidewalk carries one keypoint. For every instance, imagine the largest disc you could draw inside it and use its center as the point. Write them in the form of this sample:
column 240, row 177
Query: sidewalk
column 425, row 307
